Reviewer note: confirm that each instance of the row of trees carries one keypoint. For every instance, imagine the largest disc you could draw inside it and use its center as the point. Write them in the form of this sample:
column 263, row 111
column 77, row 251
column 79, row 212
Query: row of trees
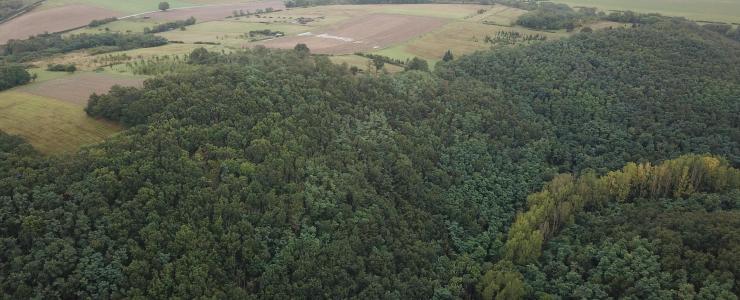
column 71, row 68
column 48, row 44
column 512, row 38
column 101, row 22
column 552, row 16
column 179, row 24
column 565, row 197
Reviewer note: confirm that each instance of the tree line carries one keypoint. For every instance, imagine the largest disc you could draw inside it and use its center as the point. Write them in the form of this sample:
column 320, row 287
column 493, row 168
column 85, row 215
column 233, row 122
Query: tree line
column 44, row 45
column 179, row 24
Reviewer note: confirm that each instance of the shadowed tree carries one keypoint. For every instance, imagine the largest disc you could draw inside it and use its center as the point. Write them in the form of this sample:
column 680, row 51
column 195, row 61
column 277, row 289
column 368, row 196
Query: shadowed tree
column 163, row 6
column 302, row 50
column 448, row 56
column 417, row 64
column 378, row 63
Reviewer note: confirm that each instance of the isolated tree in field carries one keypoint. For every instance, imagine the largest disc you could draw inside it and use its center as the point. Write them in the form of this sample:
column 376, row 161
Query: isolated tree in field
column 163, row 6
column 302, row 49
column 378, row 63
column 448, row 56
column 199, row 56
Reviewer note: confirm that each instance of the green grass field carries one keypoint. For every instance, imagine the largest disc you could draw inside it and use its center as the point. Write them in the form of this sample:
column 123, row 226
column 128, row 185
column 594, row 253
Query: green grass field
column 227, row 33
column 361, row 62
column 447, row 11
column 698, row 10
column 44, row 75
column 498, row 14
column 122, row 26
column 51, row 126
column 461, row 37
column 124, row 6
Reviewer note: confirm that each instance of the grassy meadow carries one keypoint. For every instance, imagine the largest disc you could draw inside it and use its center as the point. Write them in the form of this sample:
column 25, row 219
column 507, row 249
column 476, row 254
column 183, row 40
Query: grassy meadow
column 697, row 10
column 124, row 6
column 50, row 125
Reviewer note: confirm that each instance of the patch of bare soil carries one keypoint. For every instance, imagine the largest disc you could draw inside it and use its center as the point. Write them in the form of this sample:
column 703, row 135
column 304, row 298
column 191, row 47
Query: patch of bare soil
column 52, row 20
column 362, row 33
column 77, row 89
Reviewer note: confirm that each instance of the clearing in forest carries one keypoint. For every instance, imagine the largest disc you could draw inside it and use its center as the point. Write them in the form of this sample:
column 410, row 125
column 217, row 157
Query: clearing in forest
column 50, row 125
column 462, row 37
column 76, row 89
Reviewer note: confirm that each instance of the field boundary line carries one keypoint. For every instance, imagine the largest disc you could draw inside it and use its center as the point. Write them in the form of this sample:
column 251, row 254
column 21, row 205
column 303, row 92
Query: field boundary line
column 188, row 7
column 23, row 11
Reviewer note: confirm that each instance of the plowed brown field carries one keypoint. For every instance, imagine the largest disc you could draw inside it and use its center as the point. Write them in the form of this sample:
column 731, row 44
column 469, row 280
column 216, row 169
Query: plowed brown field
column 363, row 33
column 52, row 20
column 78, row 88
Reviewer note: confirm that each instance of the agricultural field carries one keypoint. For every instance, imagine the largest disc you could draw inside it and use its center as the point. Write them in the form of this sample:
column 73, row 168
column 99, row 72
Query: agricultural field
column 77, row 88
column 51, row 20
column 398, row 31
column 62, row 15
column 116, row 61
column 123, row 7
column 498, row 15
column 364, row 33
column 212, row 12
column 460, row 37
column 698, row 10
column 229, row 33
column 50, row 114
column 50, row 125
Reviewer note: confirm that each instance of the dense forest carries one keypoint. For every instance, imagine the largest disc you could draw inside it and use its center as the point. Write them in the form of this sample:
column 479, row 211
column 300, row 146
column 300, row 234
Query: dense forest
column 12, row 75
column 562, row 169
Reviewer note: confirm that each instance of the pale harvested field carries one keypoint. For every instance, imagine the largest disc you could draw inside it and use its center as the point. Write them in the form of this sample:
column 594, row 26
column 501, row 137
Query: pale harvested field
column 363, row 33
column 76, row 89
column 212, row 13
column 51, row 20
column 499, row 15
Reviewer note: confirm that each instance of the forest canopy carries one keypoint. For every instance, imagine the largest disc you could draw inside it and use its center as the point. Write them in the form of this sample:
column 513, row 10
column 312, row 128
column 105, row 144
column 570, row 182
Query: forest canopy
column 277, row 174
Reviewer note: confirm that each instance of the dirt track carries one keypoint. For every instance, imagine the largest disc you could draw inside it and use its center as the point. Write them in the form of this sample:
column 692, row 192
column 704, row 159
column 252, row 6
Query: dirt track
column 76, row 89
column 363, row 33
column 51, row 20
column 211, row 13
